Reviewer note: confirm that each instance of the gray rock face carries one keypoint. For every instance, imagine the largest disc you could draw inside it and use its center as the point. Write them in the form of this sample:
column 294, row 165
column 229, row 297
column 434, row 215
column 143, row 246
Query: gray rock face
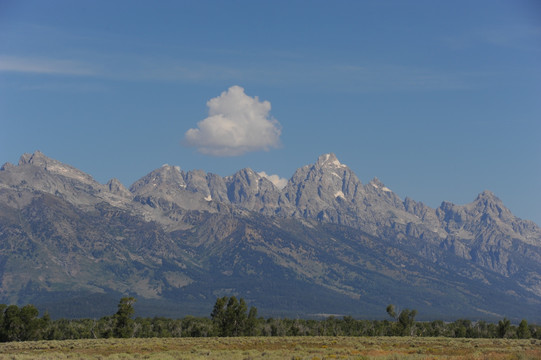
column 166, row 189
column 251, row 191
column 325, row 191
column 115, row 187
column 484, row 232
column 328, row 191
column 488, row 234
column 205, row 211
column 7, row 166
column 38, row 172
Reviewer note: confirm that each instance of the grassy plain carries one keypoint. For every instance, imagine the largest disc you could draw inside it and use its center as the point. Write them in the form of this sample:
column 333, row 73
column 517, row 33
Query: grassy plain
column 276, row 348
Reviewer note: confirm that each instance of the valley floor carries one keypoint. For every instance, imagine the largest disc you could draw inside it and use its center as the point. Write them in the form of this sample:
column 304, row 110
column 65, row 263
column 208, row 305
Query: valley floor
column 276, row 348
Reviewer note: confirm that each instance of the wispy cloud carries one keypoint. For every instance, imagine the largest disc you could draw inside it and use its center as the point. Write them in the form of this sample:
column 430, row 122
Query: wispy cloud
column 318, row 75
column 524, row 37
column 381, row 77
column 44, row 66
column 353, row 77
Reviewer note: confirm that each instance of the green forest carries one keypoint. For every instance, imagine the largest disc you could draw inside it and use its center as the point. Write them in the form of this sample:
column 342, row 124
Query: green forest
column 231, row 317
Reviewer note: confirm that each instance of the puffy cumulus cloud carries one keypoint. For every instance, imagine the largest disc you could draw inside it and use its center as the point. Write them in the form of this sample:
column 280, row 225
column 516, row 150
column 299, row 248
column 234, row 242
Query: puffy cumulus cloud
column 278, row 181
column 237, row 124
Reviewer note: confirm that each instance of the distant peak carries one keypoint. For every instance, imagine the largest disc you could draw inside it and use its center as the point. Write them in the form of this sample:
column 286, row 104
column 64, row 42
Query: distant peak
column 487, row 196
column 487, row 193
column 329, row 159
column 245, row 173
column 166, row 168
column 116, row 187
column 376, row 183
column 113, row 182
column 52, row 166
column 37, row 158
column 7, row 166
column 248, row 171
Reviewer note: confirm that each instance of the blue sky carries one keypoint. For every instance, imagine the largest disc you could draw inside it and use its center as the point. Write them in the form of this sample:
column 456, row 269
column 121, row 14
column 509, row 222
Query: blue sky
column 438, row 99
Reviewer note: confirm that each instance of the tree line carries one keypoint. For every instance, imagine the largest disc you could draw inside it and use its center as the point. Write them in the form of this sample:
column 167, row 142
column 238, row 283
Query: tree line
column 232, row 317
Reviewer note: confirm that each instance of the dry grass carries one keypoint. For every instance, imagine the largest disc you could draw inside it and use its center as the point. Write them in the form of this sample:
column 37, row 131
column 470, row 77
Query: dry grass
column 381, row 348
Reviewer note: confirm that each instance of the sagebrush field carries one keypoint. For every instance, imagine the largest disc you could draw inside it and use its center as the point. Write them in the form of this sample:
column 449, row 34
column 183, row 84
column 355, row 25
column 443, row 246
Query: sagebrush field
column 276, row 348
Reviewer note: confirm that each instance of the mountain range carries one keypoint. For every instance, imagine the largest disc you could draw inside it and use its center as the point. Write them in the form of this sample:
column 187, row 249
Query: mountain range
column 323, row 244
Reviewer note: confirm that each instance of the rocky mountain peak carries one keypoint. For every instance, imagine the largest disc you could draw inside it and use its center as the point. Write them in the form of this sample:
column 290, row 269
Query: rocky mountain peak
column 324, row 190
column 7, row 166
column 487, row 199
column 39, row 160
column 247, row 174
column 196, row 181
column 377, row 193
column 422, row 211
column 164, row 176
column 378, row 185
column 487, row 203
column 329, row 160
column 487, row 196
column 115, row 186
column 242, row 183
column 252, row 190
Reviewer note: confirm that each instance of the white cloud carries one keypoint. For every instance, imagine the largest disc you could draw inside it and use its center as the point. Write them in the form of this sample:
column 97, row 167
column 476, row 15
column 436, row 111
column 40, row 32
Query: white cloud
column 278, row 181
column 237, row 124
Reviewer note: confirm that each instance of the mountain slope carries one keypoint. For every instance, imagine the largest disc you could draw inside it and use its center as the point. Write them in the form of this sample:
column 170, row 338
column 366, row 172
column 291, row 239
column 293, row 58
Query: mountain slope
column 177, row 240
